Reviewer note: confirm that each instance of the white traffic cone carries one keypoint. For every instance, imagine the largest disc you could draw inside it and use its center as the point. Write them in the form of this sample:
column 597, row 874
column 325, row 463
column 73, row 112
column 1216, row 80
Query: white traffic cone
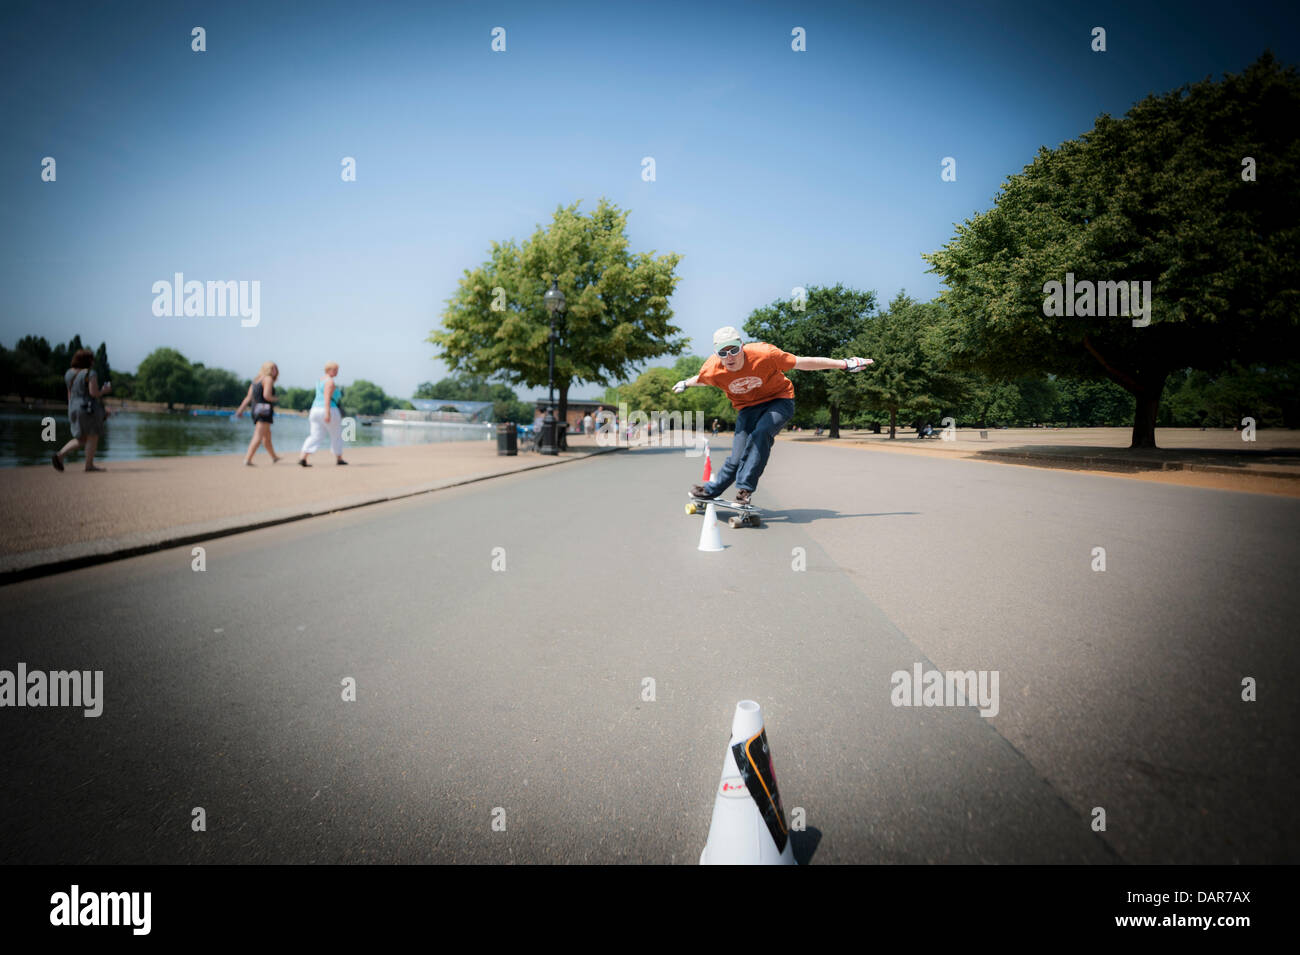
column 710, row 536
column 748, row 826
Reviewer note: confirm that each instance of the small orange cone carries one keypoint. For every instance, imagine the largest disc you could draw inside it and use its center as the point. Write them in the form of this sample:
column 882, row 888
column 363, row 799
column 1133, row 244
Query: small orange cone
column 708, row 465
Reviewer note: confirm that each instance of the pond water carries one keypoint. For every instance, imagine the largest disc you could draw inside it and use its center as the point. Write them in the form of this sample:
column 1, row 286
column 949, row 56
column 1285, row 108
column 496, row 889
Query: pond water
column 132, row 434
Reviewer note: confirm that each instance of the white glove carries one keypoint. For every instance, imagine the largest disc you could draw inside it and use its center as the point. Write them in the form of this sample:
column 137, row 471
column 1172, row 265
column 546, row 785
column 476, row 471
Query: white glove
column 679, row 387
column 857, row 364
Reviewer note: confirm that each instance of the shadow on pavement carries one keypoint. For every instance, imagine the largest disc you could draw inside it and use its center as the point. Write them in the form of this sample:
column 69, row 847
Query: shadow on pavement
column 804, row 844
column 808, row 515
column 1142, row 458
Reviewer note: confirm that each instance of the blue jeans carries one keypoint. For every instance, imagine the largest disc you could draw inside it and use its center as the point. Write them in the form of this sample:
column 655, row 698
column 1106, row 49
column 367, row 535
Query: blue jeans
column 756, row 429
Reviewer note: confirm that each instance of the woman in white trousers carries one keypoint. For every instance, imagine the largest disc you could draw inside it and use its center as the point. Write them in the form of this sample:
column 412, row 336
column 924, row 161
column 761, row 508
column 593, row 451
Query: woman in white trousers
column 326, row 418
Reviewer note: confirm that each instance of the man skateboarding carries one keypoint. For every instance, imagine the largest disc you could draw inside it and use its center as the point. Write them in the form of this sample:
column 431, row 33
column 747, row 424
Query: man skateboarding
column 753, row 376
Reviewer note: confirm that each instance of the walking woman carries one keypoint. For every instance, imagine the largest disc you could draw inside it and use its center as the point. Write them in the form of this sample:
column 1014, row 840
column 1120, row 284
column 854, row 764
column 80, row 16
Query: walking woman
column 261, row 396
column 85, row 408
column 326, row 418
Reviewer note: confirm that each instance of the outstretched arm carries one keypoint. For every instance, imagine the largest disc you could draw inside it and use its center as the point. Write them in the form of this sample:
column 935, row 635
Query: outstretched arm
column 831, row 364
column 244, row 404
column 685, row 383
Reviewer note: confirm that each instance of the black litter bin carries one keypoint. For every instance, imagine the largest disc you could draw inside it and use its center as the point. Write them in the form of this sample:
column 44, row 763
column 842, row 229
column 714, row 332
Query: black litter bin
column 507, row 438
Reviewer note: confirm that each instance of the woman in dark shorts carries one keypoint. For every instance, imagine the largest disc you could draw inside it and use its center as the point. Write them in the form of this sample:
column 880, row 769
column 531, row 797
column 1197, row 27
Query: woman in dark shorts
column 261, row 398
column 85, row 409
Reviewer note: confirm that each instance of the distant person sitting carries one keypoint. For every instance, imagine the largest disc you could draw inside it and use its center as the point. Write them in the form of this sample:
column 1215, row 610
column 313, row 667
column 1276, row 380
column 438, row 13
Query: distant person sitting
column 85, row 409
column 326, row 418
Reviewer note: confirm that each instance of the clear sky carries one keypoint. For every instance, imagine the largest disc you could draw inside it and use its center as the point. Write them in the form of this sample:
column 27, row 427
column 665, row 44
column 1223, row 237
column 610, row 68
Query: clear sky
column 773, row 168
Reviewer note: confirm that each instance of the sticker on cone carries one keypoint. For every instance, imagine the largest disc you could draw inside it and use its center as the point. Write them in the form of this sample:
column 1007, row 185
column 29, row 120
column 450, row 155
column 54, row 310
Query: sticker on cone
column 755, row 762
column 748, row 826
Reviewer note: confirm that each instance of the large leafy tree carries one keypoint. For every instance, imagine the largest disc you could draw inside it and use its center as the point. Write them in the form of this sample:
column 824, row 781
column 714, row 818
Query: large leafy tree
column 821, row 326
column 28, row 370
column 617, row 314
column 365, row 397
column 1157, row 196
column 217, row 387
column 166, row 375
column 652, row 392
column 910, row 372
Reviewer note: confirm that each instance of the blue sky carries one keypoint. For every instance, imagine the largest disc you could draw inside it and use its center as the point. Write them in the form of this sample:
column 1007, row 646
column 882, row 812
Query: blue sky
column 774, row 168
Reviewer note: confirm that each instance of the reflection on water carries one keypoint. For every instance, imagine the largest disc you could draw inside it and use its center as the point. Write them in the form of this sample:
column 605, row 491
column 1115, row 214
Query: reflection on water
column 129, row 434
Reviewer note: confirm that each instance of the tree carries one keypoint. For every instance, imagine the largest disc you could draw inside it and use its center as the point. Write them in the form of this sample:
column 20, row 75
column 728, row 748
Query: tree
column 217, row 387
column 30, row 372
column 102, row 371
column 617, row 306
column 297, row 399
column 365, row 398
column 1222, row 400
column 823, row 325
column 909, row 371
column 651, row 392
column 1089, row 403
column 1158, row 196
column 166, row 375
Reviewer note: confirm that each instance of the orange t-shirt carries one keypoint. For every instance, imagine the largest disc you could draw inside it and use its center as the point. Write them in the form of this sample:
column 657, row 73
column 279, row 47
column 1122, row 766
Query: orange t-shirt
column 761, row 378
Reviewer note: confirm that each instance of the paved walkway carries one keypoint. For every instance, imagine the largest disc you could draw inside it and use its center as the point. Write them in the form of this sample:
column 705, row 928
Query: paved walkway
column 519, row 687
column 55, row 522
column 1270, row 463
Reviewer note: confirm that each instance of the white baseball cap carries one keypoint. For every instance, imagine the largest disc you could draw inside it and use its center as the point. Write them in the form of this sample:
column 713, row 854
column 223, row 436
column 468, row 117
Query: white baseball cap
column 725, row 337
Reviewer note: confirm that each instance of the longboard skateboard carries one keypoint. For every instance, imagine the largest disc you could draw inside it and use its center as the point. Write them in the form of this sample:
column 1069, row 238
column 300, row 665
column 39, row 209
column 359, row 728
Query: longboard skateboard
column 748, row 516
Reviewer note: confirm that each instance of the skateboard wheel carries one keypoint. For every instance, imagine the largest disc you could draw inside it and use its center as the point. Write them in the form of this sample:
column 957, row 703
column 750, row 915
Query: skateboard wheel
column 690, row 507
column 734, row 521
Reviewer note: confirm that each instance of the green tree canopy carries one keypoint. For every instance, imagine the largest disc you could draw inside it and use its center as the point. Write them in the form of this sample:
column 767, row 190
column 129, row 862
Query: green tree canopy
column 822, row 326
column 910, row 372
column 367, row 398
column 217, row 387
column 1161, row 195
column 296, row 399
column 166, row 375
column 496, row 325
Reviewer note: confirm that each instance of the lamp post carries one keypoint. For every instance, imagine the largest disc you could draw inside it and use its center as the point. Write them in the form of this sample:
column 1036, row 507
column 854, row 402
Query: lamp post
column 554, row 300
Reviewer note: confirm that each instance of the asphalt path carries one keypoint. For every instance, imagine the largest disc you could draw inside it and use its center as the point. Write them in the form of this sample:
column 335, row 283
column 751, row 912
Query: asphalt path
column 516, row 696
